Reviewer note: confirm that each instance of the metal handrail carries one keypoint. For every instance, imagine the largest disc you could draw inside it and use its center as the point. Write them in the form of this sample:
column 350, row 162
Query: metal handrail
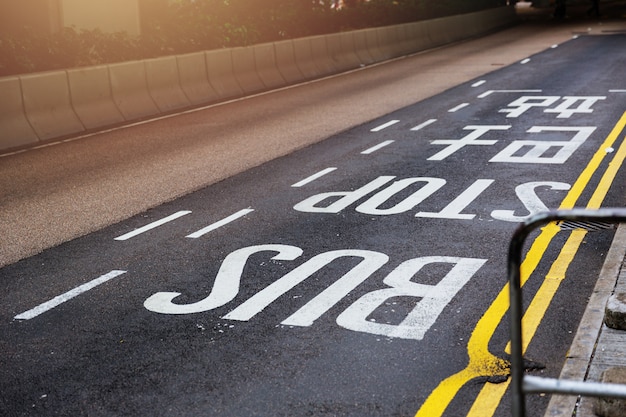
column 520, row 383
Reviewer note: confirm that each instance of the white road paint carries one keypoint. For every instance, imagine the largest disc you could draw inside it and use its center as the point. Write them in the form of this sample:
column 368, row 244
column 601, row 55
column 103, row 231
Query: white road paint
column 431, row 299
column 153, row 225
column 575, row 104
column 542, row 151
column 423, row 125
column 384, row 125
column 456, row 206
column 56, row 301
column 478, row 83
column 226, row 285
column 373, row 204
column 457, row 108
column 568, row 106
column 471, row 139
column 522, row 104
column 490, row 92
column 339, row 199
column 532, row 203
column 314, row 177
column 219, row 224
column 525, row 61
column 377, row 147
column 370, row 262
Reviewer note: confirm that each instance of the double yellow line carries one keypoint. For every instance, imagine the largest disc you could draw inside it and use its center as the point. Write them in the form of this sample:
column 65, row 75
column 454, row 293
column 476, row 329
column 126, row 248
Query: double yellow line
column 482, row 363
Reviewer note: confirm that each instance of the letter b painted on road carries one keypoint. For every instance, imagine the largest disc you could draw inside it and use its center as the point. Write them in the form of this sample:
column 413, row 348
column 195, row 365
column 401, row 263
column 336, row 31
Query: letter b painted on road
column 434, row 298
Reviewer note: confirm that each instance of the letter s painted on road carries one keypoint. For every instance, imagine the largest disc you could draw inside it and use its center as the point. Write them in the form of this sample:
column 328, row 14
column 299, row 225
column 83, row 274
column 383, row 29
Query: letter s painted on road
column 226, row 284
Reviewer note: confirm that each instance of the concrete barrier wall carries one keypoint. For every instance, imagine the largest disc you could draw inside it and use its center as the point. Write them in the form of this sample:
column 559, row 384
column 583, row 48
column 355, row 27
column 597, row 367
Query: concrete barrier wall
column 40, row 107
column 194, row 79
column 15, row 128
column 244, row 68
column 321, row 57
column 90, row 89
column 129, row 88
column 361, row 48
column 266, row 66
column 48, row 105
column 286, row 61
column 219, row 64
column 164, row 84
column 304, row 58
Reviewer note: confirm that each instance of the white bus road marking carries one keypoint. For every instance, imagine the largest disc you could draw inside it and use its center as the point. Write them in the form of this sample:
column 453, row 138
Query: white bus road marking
column 457, row 108
column 384, row 125
column 423, row 125
column 478, row 83
column 153, row 225
column 490, row 92
column 56, row 301
column 220, row 223
column 377, row 147
column 314, row 177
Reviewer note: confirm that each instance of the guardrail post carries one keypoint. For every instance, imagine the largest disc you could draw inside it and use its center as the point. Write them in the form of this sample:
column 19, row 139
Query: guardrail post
column 520, row 385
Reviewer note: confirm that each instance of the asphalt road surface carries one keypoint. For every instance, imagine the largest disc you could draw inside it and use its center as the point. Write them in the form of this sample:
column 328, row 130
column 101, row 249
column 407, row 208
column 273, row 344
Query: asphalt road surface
column 363, row 275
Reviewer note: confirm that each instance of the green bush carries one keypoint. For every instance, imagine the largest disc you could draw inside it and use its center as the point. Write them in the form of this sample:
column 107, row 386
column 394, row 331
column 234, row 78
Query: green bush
column 182, row 26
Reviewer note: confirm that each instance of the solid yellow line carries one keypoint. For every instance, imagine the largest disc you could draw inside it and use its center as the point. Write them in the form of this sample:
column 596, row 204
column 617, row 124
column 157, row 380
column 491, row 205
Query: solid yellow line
column 591, row 168
column 481, row 361
column 491, row 395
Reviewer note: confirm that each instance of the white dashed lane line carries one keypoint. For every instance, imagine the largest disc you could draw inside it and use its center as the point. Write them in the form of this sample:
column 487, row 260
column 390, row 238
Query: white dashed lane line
column 423, row 125
column 217, row 225
column 56, row 301
column 384, row 125
column 153, row 225
column 377, row 147
column 313, row 177
column 457, row 108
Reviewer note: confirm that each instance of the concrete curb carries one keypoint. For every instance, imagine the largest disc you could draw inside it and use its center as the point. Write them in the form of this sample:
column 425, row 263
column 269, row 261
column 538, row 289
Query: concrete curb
column 63, row 103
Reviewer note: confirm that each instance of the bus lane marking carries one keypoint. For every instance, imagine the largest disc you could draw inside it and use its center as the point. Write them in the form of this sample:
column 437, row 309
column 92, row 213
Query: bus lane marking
column 60, row 299
column 490, row 396
column 490, row 92
column 482, row 363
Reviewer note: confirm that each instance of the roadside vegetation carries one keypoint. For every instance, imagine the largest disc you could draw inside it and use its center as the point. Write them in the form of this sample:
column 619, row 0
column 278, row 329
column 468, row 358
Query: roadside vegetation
column 181, row 26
